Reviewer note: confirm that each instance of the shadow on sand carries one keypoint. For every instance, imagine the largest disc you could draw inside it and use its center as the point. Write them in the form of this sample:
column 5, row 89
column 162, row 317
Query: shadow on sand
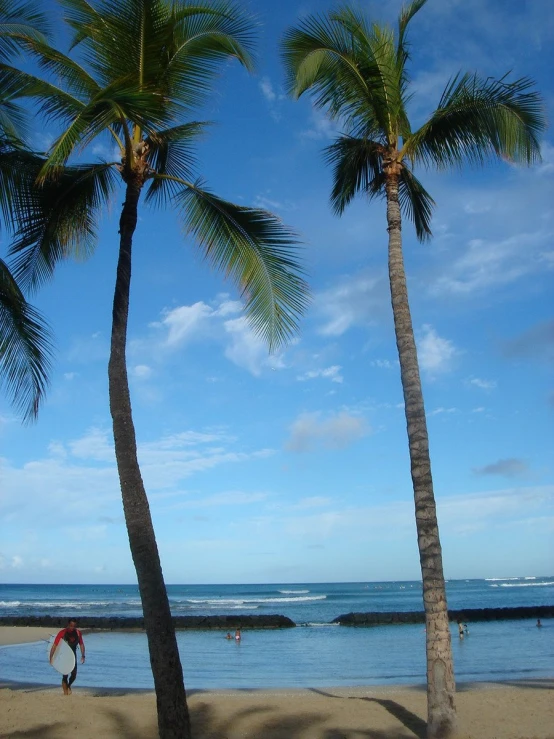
column 208, row 724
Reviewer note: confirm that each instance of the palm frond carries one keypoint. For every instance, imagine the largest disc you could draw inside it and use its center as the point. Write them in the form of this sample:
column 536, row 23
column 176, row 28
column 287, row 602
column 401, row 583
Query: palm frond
column 58, row 219
column 54, row 102
column 350, row 69
column 198, row 40
column 171, row 152
column 176, row 47
column 255, row 250
column 19, row 22
column 357, row 167
column 25, row 348
column 416, row 203
column 77, row 80
column 477, row 119
column 112, row 106
column 406, row 15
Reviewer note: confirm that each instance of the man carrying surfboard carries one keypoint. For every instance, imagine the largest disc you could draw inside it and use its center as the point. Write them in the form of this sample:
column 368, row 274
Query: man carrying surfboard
column 73, row 637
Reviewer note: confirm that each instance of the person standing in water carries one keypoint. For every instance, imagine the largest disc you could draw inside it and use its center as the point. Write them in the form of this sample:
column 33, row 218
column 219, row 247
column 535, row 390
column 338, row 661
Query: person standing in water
column 238, row 635
column 74, row 638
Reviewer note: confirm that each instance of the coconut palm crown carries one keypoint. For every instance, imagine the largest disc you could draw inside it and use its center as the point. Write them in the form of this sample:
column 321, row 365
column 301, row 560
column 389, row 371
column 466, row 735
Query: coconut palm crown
column 135, row 72
column 25, row 337
column 356, row 71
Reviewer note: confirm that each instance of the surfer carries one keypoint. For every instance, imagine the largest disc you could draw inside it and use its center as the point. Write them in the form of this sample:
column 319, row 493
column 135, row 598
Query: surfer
column 74, row 639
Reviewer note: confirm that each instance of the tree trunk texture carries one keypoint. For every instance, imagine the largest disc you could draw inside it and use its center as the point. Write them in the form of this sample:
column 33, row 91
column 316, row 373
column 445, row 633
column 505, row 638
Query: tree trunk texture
column 173, row 716
column 441, row 688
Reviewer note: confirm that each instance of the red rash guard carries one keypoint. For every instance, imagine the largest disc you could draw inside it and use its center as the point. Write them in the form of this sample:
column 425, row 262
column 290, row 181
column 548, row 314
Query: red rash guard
column 73, row 638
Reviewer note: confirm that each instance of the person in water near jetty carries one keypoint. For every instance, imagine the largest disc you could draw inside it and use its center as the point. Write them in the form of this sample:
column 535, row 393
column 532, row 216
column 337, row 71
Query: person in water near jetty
column 237, row 635
column 539, row 622
column 74, row 638
column 462, row 629
column 228, row 635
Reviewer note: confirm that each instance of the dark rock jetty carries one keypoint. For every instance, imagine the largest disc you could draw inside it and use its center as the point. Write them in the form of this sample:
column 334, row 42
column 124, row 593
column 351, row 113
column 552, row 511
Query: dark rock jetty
column 468, row 614
column 181, row 622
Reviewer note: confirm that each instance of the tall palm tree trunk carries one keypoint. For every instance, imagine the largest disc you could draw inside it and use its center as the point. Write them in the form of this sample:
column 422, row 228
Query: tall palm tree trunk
column 441, row 688
column 173, row 717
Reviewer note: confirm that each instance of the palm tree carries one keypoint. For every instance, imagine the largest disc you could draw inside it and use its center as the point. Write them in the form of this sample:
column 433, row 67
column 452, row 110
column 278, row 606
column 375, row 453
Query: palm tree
column 25, row 338
column 137, row 70
column 356, row 71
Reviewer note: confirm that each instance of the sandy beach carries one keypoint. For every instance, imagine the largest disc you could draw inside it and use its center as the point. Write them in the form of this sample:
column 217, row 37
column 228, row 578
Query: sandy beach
column 516, row 710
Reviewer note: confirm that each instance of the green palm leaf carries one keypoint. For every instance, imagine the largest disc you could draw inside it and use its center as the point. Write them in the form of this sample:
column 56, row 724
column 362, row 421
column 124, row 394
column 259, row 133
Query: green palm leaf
column 477, row 119
column 19, row 22
column 25, row 348
column 416, row 203
column 357, row 167
column 171, row 152
column 73, row 75
column 255, row 250
column 59, row 219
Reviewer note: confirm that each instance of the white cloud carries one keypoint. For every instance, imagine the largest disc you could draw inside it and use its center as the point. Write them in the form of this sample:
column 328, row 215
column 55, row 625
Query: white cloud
column 440, row 410
column 482, row 384
column 184, row 322
column 142, row 371
column 70, row 375
column 321, row 128
column 354, row 301
column 476, row 208
column 312, row 431
column 221, row 324
column 487, row 263
column 85, row 483
column 95, row 445
column 272, row 97
column 329, row 373
column 267, row 90
column 434, row 352
column 546, row 167
column 384, row 363
column 247, row 350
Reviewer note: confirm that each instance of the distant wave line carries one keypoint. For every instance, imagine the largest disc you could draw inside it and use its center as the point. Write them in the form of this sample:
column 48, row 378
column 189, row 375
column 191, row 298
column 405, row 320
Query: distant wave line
column 240, row 601
column 292, row 592
column 523, row 585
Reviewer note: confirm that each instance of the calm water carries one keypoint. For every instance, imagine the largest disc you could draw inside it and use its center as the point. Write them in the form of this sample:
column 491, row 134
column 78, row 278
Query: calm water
column 315, row 655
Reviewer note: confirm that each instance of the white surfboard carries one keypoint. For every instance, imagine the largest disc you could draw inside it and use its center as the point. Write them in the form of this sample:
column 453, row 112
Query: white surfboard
column 63, row 659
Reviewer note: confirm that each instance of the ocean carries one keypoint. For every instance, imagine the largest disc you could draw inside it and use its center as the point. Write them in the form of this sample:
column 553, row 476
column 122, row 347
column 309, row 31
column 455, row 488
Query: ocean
column 316, row 654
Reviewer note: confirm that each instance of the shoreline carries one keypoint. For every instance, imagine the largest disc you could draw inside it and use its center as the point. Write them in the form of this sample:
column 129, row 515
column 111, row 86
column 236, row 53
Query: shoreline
column 512, row 710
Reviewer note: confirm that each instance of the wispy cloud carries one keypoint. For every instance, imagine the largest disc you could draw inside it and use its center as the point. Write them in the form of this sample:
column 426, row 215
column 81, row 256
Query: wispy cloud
column 271, row 97
column 321, row 127
column 481, row 383
column 329, row 373
column 384, row 363
column 353, row 301
column 311, row 431
column 486, row 263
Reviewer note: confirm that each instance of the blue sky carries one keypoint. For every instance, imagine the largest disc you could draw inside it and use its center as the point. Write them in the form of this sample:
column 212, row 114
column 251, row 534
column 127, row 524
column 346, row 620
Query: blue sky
column 294, row 467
